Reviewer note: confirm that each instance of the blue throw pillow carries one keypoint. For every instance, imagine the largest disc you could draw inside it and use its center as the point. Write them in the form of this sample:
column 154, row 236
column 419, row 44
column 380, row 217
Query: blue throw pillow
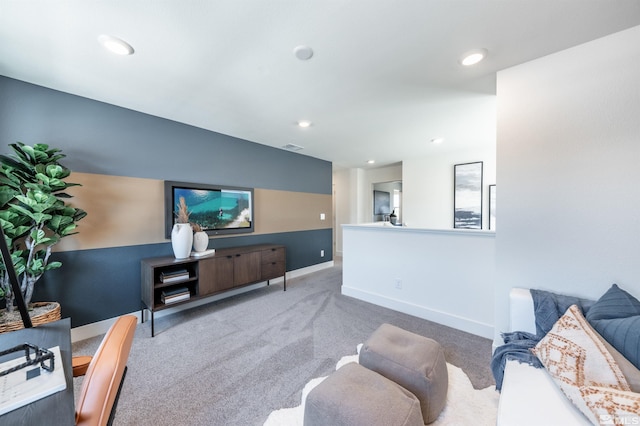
column 616, row 316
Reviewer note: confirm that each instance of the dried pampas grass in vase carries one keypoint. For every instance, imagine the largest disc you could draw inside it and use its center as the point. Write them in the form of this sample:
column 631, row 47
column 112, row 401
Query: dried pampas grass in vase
column 183, row 212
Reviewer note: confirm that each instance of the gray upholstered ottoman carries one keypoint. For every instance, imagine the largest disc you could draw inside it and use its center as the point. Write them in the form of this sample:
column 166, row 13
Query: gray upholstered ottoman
column 414, row 362
column 357, row 396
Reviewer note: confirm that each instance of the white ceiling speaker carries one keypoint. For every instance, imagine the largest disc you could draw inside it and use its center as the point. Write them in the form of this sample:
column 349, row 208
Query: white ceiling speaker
column 303, row 53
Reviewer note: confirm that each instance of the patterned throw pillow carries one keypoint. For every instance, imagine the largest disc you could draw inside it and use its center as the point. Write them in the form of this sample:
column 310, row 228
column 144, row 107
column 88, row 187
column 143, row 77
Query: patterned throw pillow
column 612, row 406
column 577, row 359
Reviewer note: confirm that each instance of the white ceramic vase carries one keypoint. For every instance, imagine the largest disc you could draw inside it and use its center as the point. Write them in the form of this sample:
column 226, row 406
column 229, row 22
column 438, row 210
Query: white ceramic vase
column 181, row 240
column 200, row 241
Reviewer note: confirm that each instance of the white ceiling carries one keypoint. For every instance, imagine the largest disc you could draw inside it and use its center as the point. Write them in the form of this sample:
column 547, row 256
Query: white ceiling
column 384, row 79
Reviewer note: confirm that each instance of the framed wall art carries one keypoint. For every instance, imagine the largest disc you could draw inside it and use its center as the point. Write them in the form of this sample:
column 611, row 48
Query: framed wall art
column 467, row 195
column 492, row 207
column 381, row 204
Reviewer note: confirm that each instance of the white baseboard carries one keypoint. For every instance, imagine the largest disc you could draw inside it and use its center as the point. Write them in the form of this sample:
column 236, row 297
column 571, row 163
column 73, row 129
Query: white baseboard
column 309, row 269
column 95, row 328
column 444, row 318
column 101, row 327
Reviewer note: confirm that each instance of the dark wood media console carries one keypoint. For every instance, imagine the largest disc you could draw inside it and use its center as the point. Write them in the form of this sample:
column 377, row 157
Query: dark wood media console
column 167, row 282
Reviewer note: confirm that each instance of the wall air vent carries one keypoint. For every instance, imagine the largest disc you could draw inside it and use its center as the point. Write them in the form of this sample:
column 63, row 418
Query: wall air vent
column 292, row 147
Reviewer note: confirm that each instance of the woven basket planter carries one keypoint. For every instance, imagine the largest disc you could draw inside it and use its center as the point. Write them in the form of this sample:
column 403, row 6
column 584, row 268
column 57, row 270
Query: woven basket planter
column 52, row 315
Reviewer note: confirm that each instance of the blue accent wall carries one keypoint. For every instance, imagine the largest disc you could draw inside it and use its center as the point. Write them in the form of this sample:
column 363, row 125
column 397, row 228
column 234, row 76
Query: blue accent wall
column 99, row 138
column 106, row 139
column 98, row 284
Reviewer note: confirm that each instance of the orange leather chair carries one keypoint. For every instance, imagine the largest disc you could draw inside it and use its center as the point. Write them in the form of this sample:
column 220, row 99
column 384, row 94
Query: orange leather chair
column 105, row 374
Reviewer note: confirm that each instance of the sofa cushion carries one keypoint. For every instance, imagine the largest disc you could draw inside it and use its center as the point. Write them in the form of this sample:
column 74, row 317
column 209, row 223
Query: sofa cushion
column 616, row 316
column 576, row 358
column 614, row 303
column 631, row 373
column 524, row 387
column 415, row 362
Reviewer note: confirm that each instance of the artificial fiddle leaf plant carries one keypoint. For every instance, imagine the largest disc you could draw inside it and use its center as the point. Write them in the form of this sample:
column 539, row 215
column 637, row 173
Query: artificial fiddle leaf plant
column 33, row 213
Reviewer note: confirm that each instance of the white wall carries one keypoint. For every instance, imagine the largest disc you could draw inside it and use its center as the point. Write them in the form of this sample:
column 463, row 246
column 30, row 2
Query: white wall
column 354, row 195
column 568, row 157
column 389, row 187
column 371, row 176
column 427, row 185
column 446, row 276
column 427, row 189
column 344, row 204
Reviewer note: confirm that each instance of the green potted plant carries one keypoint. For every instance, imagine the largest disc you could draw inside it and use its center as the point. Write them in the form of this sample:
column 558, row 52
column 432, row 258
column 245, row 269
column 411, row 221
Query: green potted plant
column 33, row 213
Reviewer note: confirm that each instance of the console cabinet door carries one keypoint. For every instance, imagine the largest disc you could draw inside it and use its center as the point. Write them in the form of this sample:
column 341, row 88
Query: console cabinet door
column 273, row 263
column 246, row 268
column 216, row 274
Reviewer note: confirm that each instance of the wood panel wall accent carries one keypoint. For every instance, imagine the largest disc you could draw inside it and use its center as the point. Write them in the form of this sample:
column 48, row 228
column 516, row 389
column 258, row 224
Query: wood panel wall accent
column 127, row 211
column 286, row 211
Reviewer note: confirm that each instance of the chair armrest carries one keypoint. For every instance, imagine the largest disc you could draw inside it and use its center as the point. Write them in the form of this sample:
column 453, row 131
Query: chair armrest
column 80, row 365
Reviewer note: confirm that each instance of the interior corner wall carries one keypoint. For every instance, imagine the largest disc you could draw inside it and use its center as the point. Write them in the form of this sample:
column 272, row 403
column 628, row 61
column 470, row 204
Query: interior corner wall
column 369, row 177
column 122, row 157
column 428, row 186
column 344, row 211
column 348, row 200
column 354, row 195
column 568, row 170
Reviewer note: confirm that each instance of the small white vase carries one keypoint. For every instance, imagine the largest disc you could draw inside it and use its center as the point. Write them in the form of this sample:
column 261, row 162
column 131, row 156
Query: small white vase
column 181, row 240
column 200, row 241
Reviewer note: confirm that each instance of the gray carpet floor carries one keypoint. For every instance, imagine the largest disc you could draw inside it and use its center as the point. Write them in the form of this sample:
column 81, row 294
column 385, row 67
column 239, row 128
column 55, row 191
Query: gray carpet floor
column 233, row 361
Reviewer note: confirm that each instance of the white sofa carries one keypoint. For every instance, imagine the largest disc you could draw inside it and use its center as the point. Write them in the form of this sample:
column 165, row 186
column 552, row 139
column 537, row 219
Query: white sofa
column 529, row 395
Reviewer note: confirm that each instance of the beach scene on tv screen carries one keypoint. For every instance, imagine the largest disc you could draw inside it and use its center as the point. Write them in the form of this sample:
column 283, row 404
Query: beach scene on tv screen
column 216, row 209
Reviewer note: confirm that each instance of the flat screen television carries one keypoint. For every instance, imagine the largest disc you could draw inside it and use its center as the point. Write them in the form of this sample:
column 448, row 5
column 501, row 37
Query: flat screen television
column 218, row 209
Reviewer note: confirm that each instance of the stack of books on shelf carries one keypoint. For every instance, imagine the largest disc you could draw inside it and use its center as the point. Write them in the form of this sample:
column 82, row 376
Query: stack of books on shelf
column 173, row 276
column 174, row 295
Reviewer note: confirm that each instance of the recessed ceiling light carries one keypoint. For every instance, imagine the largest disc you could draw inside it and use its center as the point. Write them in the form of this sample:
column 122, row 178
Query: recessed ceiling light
column 437, row 140
column 115, row 45
column 371, row 161
column 472, row 57
column 303, row 53
column 304, row 123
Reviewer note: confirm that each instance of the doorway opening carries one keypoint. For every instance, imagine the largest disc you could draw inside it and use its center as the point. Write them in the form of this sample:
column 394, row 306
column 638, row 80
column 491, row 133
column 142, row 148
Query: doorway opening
column 387, row 200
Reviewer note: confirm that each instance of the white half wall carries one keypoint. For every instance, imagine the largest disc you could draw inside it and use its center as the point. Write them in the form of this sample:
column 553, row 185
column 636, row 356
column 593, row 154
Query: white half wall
column 445, row 276
column 569, row 170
